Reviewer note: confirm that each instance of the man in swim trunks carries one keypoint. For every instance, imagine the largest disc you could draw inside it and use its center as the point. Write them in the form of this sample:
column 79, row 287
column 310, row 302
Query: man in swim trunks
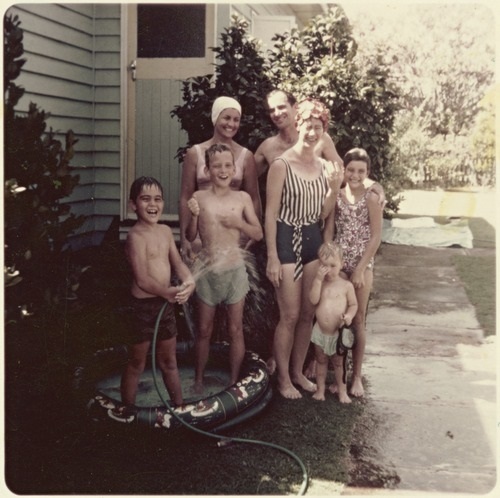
column 220, row 215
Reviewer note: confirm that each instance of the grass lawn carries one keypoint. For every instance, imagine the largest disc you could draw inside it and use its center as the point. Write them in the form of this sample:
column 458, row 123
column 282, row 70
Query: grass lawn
column 52, row 448
column 478, row 274
column 477, row 270
column 49, row 438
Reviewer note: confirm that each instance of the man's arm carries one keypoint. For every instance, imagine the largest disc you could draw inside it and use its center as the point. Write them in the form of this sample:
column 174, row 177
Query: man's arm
column 194, row 211
column 261, row 163
column 326, row 149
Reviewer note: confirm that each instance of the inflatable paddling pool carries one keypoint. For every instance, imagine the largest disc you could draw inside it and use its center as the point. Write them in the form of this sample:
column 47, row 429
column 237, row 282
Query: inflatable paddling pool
column 221, row 407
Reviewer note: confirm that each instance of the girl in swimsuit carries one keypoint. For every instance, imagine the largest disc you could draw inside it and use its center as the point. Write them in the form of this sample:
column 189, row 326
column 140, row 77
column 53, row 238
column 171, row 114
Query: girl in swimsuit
column 356, row 226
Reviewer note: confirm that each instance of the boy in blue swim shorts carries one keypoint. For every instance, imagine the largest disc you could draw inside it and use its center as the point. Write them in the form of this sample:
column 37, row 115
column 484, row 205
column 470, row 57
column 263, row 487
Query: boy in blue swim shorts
column 220, row 216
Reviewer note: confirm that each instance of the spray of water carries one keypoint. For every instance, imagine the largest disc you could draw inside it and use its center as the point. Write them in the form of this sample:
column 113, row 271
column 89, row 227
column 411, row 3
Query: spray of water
column 260, row 312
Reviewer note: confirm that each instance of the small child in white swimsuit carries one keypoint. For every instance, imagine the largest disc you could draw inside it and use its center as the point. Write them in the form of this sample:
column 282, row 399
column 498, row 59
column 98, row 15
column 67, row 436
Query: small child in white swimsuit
column 336, row 305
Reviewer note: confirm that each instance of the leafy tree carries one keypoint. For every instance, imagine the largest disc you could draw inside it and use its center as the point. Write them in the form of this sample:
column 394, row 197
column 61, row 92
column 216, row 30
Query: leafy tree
column 318, row 61
column 38, row 177
column 321, row 61
column 443, row 63
column 240, row 72
column 483, row 142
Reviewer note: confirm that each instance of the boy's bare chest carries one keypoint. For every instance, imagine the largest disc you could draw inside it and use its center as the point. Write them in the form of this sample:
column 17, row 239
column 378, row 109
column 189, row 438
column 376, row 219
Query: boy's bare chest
column 157, row 248
column 221, row 207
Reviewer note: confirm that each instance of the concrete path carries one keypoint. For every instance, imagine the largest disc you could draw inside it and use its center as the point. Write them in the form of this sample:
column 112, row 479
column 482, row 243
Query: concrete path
column 431, row 424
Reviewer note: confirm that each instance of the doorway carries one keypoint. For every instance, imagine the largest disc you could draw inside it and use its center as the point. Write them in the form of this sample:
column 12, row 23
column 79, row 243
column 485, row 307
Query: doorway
column 164, row 44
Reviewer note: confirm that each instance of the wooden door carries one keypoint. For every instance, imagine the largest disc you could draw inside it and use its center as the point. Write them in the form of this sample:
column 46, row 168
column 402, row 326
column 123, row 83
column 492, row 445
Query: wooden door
column 165, row 44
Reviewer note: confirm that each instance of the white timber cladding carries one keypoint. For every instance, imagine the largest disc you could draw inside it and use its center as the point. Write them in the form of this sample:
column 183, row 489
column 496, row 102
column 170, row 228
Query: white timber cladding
column 265, row 28
column 72, row 70
column 152, row 90
column 77, row 60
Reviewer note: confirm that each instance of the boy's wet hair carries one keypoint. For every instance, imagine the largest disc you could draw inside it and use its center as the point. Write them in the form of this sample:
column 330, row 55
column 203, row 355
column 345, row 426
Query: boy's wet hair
column 289, row 97
column 214, row 149
column 330, row 250
column 358, row 154
column 140, row 183
column 312, row 108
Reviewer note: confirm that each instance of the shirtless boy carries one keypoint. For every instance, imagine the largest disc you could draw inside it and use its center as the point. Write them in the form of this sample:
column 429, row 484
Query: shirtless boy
column 337, row 305
column 221, row 215
column 152, row 254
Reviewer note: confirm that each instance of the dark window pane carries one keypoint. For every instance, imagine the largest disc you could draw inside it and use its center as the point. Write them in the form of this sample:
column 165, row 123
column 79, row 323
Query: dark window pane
column 170, row 30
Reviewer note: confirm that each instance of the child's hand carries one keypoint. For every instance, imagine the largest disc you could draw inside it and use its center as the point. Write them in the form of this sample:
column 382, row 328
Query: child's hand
column 230, row 220
column 347, row 319
column 184, row 291
column 193, row 206
column 322, row 271
column 378, row 190
column 171, row 294
column 358, row 278
column 335, row 175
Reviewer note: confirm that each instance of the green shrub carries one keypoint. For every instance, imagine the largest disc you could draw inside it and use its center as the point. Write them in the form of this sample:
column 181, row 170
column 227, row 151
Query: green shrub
column 240, row 72
column 317, row 61
column 37, row 177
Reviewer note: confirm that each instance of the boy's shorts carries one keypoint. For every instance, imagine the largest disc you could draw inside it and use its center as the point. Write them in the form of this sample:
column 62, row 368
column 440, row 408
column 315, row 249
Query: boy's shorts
column 228, row 287
column 144, row 315
column 328, row 343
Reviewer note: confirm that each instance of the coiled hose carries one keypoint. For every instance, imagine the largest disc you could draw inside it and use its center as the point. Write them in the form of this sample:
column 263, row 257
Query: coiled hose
column 223, row 440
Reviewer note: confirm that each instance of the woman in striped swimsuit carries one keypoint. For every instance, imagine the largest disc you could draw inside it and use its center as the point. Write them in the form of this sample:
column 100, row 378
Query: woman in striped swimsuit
column 301, row 191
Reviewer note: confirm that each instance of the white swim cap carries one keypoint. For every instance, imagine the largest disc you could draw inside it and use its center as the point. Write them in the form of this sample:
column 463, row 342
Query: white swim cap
column 222, row 103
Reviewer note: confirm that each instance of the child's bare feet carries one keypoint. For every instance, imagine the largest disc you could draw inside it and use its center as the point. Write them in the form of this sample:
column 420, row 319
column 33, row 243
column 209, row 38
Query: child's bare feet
column 343, row 397
column 289, row 392
column 198, row 388
column 357, row 389
column 319, row 395
column 305, row 383
column 310, row 371
column 271, row 365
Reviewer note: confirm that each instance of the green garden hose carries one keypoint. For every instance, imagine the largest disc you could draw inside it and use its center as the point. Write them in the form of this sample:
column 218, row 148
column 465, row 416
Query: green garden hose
column 223, row 440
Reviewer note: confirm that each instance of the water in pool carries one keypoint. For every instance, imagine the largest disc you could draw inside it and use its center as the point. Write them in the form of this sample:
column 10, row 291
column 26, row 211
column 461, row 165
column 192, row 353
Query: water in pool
column 215, row 381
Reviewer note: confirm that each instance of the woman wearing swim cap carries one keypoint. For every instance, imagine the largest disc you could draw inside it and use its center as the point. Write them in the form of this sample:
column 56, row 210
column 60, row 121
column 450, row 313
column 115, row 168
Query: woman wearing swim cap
column 226, row 116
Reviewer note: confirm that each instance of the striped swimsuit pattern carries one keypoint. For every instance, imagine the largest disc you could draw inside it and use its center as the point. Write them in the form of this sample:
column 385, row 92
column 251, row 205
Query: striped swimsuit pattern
column 301, row 204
